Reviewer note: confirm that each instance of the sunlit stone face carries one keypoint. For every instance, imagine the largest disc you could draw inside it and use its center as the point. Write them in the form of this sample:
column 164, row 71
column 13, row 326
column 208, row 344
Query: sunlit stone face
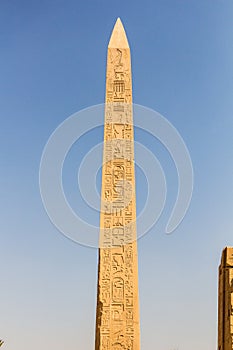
column 117, row 319
column 225, row 298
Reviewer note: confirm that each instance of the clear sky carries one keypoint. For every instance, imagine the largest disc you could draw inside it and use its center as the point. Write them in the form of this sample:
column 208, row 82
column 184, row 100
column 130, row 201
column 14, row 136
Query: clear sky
column 52, row 64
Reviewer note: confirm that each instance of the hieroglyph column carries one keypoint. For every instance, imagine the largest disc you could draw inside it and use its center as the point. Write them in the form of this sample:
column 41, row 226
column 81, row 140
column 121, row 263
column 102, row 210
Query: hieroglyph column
column 117, row 318
column 225, row 301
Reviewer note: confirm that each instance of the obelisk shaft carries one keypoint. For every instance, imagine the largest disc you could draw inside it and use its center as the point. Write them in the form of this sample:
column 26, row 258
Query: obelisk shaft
column 225, row 301
column 117, row 319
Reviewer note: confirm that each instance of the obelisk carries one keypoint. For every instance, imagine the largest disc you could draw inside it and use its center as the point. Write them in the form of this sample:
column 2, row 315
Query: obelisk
column 225, row 301
column 117, row 317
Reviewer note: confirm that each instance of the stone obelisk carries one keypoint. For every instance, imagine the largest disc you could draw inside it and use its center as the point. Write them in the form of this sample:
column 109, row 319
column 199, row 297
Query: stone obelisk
column 225, row 301
column 117, row 318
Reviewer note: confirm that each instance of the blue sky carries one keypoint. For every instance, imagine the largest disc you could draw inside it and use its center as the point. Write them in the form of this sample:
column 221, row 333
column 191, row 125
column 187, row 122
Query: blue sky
column 52, row 64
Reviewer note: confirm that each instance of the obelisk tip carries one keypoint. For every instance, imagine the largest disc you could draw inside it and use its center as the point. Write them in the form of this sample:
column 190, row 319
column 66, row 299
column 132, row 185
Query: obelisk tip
column 118, row 38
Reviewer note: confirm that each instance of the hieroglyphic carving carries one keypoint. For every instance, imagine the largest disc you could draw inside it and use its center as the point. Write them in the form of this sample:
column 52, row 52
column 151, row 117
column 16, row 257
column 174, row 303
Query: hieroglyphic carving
column 117, row 323
column 225, row 305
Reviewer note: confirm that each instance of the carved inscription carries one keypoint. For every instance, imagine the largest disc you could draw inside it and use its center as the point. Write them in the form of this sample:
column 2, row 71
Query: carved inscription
column 225, row 317
column 117, row 325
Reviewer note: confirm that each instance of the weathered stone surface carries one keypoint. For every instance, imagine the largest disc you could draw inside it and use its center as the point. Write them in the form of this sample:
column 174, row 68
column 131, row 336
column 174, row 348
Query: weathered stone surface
column 225, row 301
column 117, row 317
